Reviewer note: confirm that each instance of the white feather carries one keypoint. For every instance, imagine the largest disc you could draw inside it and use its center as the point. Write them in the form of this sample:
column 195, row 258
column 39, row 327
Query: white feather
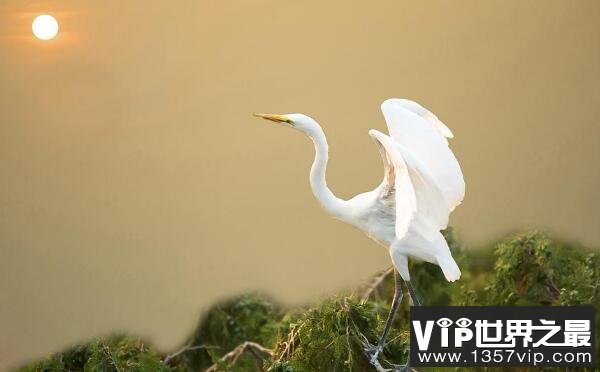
column 428, row 143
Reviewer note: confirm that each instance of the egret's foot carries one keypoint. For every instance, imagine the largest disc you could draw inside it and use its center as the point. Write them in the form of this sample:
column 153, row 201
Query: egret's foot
column 400, row 368
column 372, row 352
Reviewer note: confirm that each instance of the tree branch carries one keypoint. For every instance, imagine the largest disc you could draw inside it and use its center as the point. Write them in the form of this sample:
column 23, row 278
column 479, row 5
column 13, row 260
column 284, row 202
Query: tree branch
column 259, row 352
column 185, row 349
column 377, row 280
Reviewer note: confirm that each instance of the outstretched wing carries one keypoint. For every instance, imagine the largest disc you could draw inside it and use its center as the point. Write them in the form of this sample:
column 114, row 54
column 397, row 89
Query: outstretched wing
column 425, row 114
column 414, row 189
column 424, row 135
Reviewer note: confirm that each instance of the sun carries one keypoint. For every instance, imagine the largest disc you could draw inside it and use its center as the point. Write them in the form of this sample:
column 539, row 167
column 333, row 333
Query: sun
column 45, row 27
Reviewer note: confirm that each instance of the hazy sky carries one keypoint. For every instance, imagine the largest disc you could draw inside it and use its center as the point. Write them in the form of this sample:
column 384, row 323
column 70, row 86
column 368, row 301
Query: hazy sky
column 137, row 188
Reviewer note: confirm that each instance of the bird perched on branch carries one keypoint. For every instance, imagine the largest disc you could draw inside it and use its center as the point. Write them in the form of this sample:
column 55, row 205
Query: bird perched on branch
column 422, row 184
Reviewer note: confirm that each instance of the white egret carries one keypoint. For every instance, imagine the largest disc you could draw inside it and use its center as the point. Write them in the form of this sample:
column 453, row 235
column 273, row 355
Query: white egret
column 422, row 184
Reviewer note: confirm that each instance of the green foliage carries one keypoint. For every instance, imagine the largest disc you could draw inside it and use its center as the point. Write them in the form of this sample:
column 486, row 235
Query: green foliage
column 331, row 337
column 114, row 354
column 531, row 269
column 248, row 317
column 524, row 269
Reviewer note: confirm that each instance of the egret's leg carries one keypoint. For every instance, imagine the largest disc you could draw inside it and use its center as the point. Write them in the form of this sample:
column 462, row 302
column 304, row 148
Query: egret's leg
column 401, row 263
column 413, row 295
column 373, row 352
column 393, row 309
column 416, row 302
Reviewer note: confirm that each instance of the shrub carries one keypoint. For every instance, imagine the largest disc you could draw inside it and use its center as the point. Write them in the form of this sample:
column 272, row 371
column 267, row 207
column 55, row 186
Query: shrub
column 250, row 333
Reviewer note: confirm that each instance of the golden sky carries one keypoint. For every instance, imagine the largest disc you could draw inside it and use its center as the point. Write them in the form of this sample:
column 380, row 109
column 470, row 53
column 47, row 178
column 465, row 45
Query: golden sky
column 137, row 188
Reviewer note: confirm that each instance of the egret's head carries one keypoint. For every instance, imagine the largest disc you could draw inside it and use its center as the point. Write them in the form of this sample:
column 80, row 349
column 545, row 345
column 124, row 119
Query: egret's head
column 300, row 122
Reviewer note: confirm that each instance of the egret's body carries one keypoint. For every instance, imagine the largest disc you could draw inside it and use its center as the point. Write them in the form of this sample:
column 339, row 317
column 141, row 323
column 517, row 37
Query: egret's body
column 421, row 186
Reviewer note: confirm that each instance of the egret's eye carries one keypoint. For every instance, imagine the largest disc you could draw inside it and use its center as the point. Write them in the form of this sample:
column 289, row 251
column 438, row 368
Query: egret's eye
column 464, row 322
column 444, row 322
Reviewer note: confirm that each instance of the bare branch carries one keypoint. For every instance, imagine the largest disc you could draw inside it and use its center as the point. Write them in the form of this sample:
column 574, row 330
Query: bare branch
column 259, row 352
column 289, row 345
column 375, row 283
column 185, row 349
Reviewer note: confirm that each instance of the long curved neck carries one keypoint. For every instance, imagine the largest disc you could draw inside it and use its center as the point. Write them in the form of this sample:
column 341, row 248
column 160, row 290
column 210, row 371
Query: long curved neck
column 318, row 183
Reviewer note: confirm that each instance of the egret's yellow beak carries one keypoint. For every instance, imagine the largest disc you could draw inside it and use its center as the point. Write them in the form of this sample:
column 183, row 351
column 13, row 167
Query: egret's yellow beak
column 276, row 118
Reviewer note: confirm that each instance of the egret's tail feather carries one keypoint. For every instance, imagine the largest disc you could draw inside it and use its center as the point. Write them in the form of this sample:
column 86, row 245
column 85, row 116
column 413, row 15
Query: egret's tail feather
column 449, row 268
